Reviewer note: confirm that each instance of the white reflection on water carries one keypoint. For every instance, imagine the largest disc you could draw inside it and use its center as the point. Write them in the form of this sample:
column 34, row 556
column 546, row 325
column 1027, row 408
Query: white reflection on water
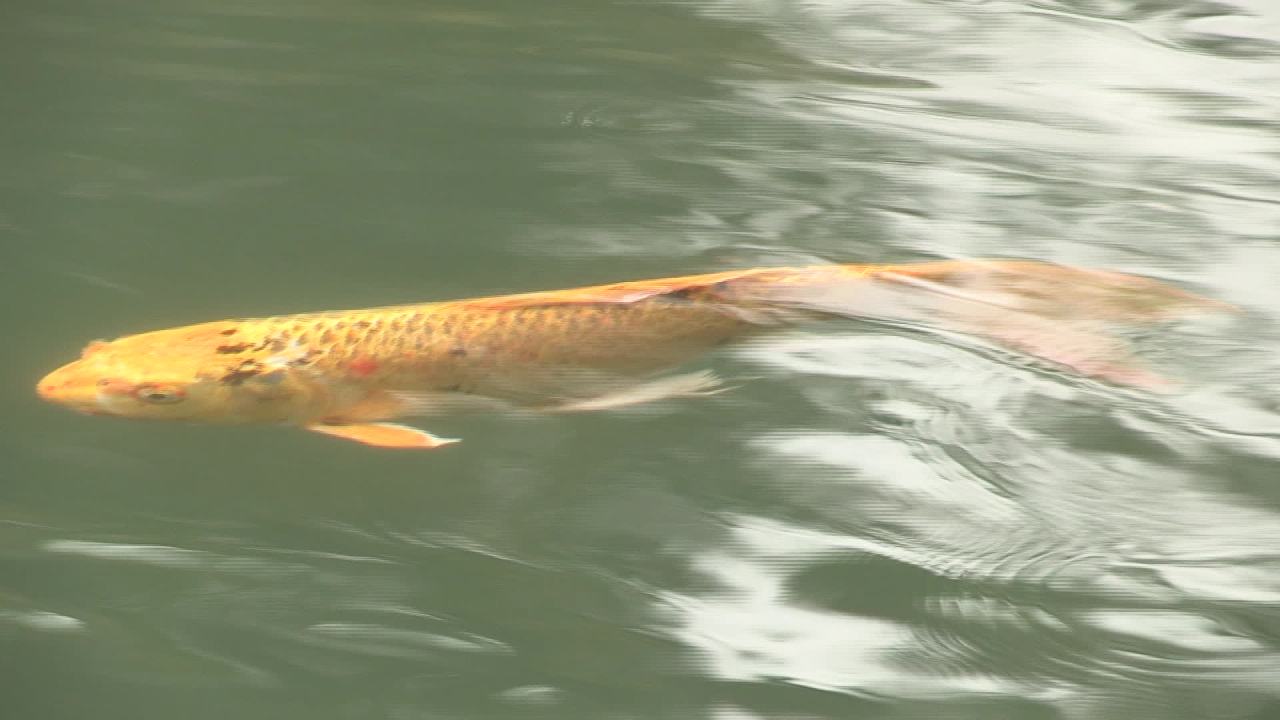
column 169, row 557
column 42, row 620
column 755, row 626
column 1118, row 570
column 750, row 628
column 1179, row 631
column 385, row 641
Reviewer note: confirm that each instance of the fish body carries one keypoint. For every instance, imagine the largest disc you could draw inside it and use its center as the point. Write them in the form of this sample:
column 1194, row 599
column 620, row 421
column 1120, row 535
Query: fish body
column 346, row 373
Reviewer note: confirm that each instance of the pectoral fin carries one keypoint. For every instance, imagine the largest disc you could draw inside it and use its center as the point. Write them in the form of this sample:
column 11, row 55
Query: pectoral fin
column 688, row 385
column 387, row 435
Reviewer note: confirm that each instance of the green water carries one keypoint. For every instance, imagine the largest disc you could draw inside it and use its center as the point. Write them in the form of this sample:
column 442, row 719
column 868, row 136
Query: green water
column 875, row 524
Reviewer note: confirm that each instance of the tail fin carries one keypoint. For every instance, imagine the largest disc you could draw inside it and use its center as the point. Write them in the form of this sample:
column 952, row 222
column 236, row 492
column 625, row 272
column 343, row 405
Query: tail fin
column 1067, row 316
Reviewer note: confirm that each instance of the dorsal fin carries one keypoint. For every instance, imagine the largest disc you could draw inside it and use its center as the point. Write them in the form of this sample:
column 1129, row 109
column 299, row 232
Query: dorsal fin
column 627, row 292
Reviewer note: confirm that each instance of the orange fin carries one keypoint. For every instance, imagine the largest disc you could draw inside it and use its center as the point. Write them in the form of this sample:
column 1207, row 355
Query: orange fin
column 387, row 435
column 624, row 292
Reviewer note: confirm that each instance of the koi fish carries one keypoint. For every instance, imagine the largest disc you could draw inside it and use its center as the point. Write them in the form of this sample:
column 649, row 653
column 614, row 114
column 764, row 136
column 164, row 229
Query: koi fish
column 349, row 374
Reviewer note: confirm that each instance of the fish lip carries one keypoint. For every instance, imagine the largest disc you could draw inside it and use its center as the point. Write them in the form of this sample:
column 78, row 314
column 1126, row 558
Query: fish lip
column 48, row 387
column 59, row 387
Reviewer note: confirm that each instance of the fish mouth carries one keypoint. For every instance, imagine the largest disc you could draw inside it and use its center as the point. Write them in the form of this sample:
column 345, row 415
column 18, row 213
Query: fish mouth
column 52, row 387
column 65, row 387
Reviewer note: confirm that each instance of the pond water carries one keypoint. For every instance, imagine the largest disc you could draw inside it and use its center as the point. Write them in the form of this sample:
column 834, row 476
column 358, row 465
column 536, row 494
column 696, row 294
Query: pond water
column 875, row 523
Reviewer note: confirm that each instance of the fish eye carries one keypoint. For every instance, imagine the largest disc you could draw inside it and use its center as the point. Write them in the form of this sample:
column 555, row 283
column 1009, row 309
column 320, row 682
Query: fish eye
column 158, row 394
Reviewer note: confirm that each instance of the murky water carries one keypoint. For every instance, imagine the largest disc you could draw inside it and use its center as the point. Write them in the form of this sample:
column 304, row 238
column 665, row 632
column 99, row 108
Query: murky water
column 875, row 524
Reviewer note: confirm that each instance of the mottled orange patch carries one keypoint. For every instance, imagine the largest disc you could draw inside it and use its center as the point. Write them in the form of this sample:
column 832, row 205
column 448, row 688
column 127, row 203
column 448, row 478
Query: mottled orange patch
column 362, row 366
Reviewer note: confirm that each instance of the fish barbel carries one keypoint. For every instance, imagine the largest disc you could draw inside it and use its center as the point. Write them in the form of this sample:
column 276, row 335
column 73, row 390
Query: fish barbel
column 347, row 373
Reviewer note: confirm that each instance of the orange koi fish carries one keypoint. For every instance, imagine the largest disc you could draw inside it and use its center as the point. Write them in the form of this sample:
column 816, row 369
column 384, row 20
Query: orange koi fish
column 348, row 374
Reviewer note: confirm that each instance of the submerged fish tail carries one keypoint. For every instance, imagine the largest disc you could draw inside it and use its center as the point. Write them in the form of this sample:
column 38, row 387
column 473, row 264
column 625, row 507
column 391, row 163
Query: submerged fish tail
column 1067, row 316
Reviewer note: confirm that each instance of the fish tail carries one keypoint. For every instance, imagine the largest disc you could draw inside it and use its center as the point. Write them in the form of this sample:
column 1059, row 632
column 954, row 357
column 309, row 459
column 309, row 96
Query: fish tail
column 1068, row 316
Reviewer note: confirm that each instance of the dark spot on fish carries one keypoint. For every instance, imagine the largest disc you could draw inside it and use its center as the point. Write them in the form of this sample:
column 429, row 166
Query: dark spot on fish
column 242, row 372
column 232, row 349
column 275, row 377
column 305, row 359
column 683, row 293
column 277, row 345
column 340, row 325
column 228, row 332
column 361, row 324
column 458, row 351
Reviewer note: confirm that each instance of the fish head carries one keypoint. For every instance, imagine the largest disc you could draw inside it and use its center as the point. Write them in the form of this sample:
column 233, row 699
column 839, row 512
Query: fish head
column 197, row 373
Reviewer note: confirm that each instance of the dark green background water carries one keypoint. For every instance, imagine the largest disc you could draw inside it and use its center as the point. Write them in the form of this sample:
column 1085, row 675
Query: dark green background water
column 880, row 524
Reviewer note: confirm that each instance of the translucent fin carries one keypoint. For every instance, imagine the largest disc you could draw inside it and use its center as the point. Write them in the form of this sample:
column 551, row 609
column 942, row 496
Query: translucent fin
column 1067, row 316
column 687, row 385
column 1051, row 290
column 428, row 403
column 386, row 435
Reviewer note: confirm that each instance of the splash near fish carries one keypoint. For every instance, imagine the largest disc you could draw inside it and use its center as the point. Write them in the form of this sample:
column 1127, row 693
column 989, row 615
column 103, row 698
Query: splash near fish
column 350, row 374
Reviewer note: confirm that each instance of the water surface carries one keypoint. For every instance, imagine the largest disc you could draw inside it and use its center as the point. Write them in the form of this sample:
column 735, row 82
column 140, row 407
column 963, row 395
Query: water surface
column 879, row 523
